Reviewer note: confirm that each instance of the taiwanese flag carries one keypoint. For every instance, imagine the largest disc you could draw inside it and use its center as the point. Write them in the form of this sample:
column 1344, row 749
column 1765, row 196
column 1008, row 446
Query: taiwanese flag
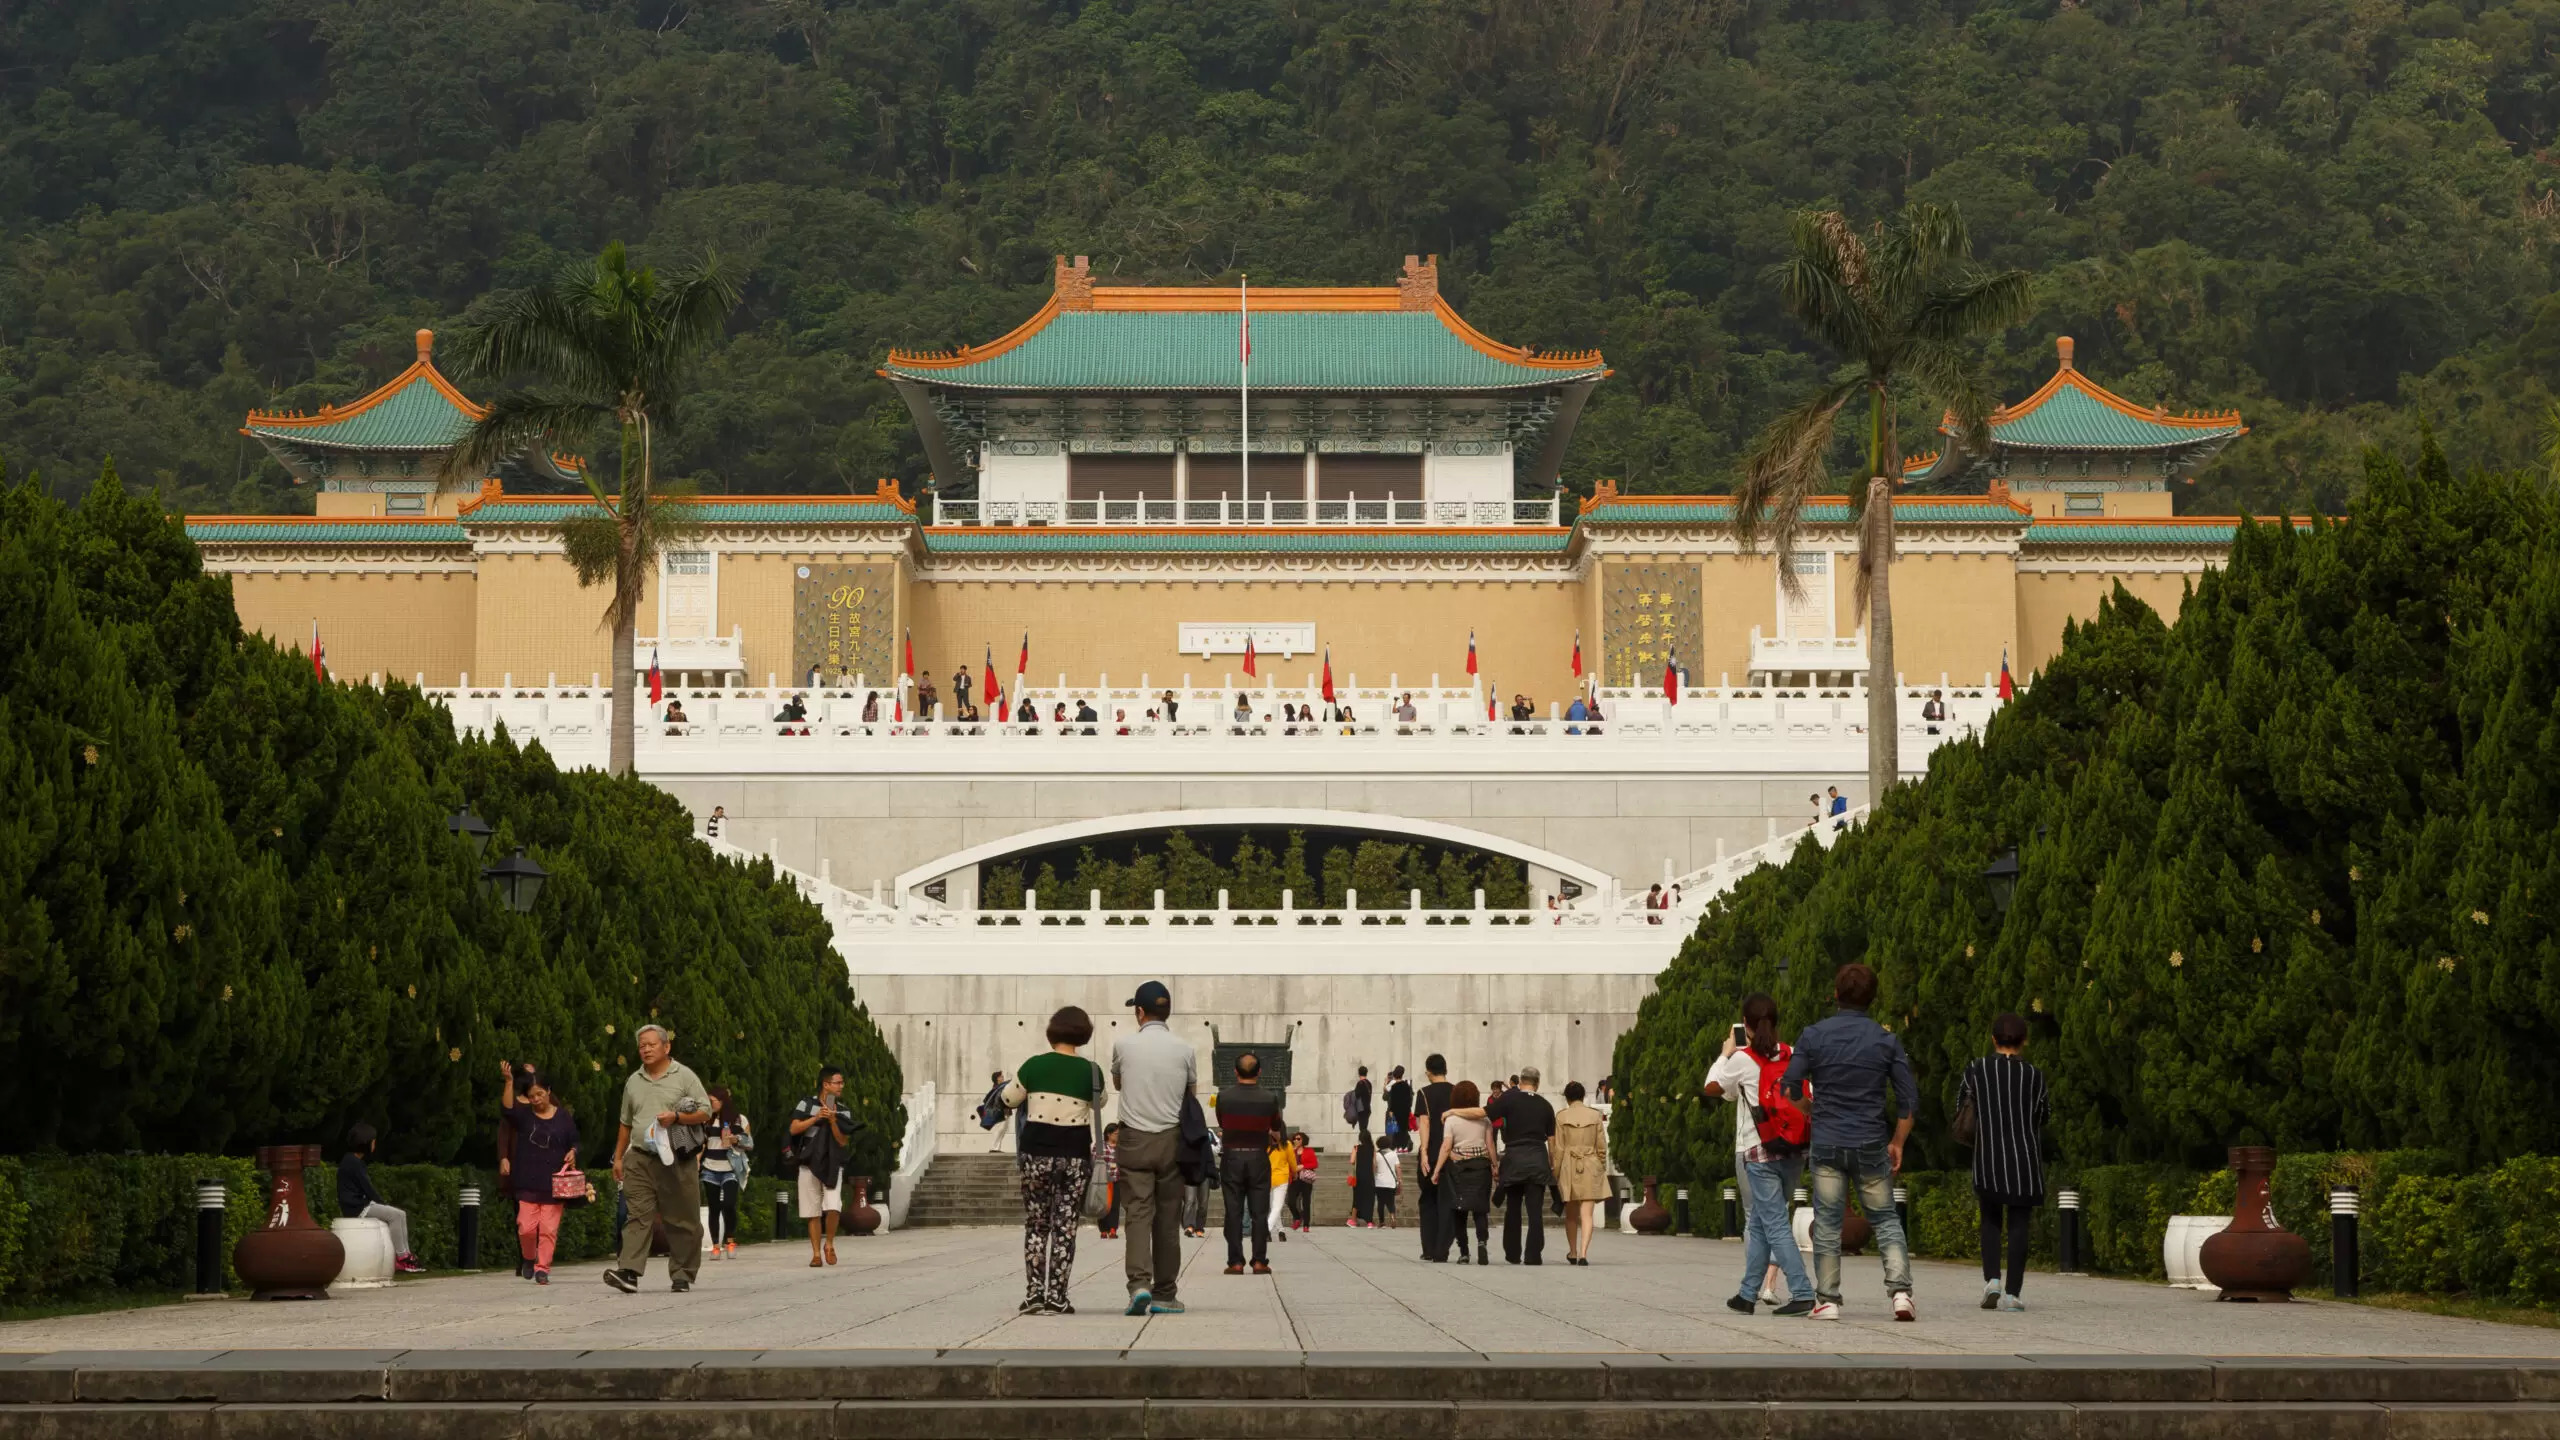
column 1577, row 654
column 1471, row 652
column 1248, row 654
column 911, row 654
column 2008, row 687
column 657, row 678
column 320, row 672
column 1022, row 668
column 1670, row 680
column 1492, row 698
column 1328, row 674
column 991, row 675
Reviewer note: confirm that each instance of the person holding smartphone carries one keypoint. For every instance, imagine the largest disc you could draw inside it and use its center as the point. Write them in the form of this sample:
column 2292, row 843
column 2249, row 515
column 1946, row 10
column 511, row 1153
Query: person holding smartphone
column 1767, row 1164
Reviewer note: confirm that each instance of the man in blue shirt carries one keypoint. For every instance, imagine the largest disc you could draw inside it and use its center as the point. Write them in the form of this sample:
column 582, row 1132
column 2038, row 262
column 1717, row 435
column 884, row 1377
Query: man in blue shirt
column 1850, row 1061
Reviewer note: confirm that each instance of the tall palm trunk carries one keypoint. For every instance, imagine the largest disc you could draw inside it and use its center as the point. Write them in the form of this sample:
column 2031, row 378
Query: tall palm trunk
column 626, row 700
column 1884, row 722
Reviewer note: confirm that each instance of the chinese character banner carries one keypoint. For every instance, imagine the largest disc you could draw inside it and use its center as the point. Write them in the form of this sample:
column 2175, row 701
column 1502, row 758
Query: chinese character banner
column 1649, row 613
column 841, row 618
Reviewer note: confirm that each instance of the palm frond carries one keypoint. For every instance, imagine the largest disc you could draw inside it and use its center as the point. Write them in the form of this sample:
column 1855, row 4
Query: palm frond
column 1956, row 380
column 1782, row 470
column 516, row 423
column 549, row 333
column 592, row 539
column 1974, row 306
column 1824, row 282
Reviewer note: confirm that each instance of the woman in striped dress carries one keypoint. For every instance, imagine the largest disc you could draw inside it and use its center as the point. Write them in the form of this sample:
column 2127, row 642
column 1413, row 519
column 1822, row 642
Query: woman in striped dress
column 2010, row 1105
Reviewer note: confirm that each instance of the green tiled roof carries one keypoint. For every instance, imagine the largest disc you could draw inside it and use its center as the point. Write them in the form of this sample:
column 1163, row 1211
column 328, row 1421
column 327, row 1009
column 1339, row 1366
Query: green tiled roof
column 2071, row 418
column 1718, row 510
column 1243, row 541
column 753, row 512
column 1292, row 350
column 327, row 532
column 414, row 416
column 2216, row 533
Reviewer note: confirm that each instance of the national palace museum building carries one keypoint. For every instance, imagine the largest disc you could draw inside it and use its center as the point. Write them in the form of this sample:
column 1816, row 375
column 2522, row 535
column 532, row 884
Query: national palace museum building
column 1388, row 501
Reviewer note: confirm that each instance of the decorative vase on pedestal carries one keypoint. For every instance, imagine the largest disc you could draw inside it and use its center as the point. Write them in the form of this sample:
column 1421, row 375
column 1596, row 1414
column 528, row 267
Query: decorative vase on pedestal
column 2256, row 1258
column 1650, row 1217
column 863, row 1218
column 293, row 1258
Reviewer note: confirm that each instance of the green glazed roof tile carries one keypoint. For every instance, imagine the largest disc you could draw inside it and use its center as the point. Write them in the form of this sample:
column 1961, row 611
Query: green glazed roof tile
column 2072, row 419
column 414, row 415
column 716, row 512
column 1718, row 510
column 2216, row 533
column 1292, row 350
column 325, row 532
column 1243, row 541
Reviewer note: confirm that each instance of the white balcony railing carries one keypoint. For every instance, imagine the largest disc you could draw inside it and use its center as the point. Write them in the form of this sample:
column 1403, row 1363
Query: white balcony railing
column 1808, row 654
column 705, row 654
column 1351, row 511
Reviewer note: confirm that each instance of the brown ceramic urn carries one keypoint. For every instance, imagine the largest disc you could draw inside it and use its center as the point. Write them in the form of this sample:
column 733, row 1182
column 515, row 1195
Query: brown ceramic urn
column 2256, row 1258
column 294, row 1257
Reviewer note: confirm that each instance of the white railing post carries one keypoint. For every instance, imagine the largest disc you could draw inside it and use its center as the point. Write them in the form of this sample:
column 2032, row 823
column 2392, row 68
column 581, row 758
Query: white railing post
column 1350, row 901
column 1222, row 899
column 1159, row 902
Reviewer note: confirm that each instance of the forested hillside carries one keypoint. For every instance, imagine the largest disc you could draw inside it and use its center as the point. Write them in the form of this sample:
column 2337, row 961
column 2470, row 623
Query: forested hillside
column 2336, row 215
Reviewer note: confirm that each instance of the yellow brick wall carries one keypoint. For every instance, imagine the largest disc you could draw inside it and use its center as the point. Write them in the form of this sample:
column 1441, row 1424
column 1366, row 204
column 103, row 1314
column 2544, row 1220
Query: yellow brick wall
column 2046, row 599
column 2129, row 504
column 1524, row 630
column 535, row 621
column 1954, row 615
column 393, row 624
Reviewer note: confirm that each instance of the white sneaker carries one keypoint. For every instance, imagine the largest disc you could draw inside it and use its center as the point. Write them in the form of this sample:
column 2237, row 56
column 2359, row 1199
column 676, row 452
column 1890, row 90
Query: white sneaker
column 1824, row 1310
column 1902, row 1308
column 1770, row 1296
column 2012, row 1304
column 1990, row 1294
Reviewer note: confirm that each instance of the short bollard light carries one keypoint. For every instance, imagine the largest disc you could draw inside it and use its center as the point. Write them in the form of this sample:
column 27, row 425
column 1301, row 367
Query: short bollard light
column 1680, row 1212
column 2066, row 1240
column 1801, row 1199
column 211, row 1201
column 1732, row 1212
column 781, row 1215
column 2343, row 1260
column 1902, row 1209
column 466, row 1231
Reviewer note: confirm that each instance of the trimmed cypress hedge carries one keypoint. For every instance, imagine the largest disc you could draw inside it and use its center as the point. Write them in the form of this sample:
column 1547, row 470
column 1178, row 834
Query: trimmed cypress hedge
column 2287, row 868
column 233, row 911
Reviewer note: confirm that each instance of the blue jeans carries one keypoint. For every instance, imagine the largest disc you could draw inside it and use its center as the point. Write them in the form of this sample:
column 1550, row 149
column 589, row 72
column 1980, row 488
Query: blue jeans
column 1766, row 1235
column 1834, row 1167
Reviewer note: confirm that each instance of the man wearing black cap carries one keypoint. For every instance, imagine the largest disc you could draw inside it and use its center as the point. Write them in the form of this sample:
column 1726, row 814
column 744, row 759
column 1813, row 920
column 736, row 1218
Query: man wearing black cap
column 1154, row 1071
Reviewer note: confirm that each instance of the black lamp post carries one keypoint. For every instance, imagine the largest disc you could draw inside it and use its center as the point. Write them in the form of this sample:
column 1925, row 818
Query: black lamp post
column 516, row 880
column 472, row 828
column 2001, row 877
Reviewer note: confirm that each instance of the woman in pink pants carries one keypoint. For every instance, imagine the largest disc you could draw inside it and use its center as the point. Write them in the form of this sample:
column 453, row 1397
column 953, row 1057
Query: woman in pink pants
column 546, row 1146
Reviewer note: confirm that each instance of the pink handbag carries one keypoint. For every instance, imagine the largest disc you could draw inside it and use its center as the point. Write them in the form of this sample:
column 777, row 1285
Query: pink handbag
column 571, row 1183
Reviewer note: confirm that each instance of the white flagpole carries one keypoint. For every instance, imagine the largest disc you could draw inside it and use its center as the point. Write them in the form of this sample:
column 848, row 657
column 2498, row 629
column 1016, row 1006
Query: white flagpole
column 1244, row 387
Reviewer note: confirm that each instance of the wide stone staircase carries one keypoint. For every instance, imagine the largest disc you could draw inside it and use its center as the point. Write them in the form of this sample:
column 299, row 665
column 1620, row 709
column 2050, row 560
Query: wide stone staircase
column 985, row 1189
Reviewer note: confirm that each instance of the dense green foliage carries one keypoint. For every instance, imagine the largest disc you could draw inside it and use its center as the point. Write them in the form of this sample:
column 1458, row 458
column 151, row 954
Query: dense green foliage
column 2338, row 217
column 2287, row 864
column 230, row 909
column 1317, row 870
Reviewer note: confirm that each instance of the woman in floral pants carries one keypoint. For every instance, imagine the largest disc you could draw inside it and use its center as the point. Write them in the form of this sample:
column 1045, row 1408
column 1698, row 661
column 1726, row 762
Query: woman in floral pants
column 1057, row 1099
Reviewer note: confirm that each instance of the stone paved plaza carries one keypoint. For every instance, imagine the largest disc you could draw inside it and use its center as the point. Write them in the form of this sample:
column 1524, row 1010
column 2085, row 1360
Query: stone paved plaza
column 1336, row 1290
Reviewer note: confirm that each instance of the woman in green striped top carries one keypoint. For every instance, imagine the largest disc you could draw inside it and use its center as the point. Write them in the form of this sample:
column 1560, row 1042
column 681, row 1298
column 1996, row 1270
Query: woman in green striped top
column 1057, row 1097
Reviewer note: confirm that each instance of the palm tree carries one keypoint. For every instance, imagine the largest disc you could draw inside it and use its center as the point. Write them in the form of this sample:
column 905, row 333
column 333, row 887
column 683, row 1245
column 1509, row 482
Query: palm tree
column 607, row 344
column 1900, row 303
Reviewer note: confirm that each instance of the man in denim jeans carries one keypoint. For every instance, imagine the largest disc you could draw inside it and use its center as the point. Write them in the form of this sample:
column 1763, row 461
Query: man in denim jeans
column 1850, row 1060
column 1767, row 1170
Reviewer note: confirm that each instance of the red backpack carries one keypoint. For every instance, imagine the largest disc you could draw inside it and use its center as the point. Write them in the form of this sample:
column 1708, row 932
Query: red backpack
column 1784, row 1130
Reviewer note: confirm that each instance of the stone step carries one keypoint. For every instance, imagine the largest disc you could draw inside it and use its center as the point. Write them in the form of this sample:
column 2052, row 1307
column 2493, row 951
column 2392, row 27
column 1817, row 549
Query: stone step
column 1069, row 1394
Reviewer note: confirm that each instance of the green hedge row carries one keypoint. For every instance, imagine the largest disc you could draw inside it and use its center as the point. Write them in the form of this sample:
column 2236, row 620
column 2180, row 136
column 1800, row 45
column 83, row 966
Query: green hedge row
column 2424, row 1227
column 73, row 1225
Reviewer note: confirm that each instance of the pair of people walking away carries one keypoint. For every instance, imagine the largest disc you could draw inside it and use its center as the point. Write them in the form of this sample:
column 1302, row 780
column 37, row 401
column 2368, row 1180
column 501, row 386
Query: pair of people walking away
column 1056, row 1097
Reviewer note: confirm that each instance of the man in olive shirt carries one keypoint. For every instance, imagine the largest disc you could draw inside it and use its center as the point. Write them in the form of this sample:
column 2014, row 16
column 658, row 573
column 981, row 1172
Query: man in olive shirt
column 1528, row 1127
column 664, row 1093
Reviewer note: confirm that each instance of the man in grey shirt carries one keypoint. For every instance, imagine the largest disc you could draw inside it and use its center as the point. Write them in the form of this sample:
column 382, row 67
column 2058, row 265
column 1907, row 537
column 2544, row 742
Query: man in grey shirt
column 1154, row 1071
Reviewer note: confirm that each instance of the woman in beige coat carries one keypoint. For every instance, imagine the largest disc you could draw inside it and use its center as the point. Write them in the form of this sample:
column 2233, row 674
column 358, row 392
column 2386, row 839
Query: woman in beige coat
column 1582, row 1170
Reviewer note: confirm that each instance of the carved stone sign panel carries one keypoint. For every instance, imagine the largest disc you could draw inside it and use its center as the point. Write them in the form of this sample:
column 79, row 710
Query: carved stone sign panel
column 1649, row 614
column 841, row 618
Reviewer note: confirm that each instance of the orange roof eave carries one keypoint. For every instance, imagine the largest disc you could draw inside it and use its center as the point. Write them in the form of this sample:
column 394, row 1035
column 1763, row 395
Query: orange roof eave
column 331, row 415
column 2073, row 377
column 972, row 354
